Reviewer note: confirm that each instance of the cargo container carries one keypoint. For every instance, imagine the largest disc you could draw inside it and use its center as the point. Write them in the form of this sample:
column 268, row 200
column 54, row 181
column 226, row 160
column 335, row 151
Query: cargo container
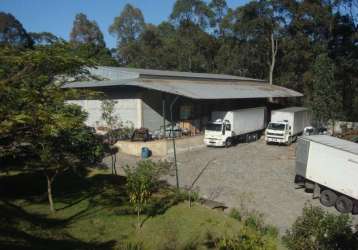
column 329, row 167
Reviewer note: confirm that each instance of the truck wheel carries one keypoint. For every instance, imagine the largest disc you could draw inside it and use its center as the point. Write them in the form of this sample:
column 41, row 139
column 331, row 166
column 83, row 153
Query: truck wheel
column 344, row 204
column 228, row 142
column 328, row 198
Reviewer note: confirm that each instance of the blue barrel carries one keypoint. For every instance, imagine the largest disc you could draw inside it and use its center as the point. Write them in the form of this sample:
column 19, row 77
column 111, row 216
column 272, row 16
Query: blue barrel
column 145, row 153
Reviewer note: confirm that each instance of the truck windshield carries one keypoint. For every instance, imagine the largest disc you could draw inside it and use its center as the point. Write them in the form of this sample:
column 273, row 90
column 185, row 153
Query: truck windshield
column 213, row 127
column 276, row 126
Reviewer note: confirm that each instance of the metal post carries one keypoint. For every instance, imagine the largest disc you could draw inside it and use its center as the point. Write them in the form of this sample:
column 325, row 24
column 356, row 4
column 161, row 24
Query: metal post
column 173, row 138
column 163, row 113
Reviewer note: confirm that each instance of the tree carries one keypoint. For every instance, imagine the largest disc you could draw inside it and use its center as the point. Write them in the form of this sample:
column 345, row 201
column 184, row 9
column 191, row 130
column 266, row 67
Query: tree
column 12, row 32
column 316, row 229
column 325, row 103
column 33, row 113
column 128, row 25
column 85, row 31
column 88, row 42
column 112, row 122
column 219, row 9
column 194, row 11
column 141, row 182
column 43, row 38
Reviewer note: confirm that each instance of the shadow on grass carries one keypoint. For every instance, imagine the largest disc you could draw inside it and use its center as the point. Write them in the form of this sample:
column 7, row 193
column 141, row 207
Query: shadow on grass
column 77, row 196
column 168, row 198
column 25, row 229
column 22, row 230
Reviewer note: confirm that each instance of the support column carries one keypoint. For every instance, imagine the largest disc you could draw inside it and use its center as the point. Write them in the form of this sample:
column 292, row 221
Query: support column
column 139, row 113
column 163, row 112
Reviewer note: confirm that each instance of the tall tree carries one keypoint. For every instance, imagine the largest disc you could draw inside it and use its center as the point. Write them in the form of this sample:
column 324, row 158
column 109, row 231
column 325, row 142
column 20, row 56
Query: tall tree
column 325, row 102
column 12, row 32
column 128, row 26
column 85, row 31
column 194, row 11
column 219, row 9
column 88, row 42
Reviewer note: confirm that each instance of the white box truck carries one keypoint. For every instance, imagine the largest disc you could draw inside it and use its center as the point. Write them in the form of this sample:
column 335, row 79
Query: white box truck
column 228, row 127
column 286, row 124
column 328, row 166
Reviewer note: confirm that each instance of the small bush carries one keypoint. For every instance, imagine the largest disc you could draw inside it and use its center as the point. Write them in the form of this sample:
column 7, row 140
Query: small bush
column 317, row 229
column 247, row 239
column 254, row 233
column 234, row 213
column 254, row 221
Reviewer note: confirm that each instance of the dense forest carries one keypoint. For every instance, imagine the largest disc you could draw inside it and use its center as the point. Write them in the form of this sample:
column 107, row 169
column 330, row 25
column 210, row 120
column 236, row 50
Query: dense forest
column 310, row 46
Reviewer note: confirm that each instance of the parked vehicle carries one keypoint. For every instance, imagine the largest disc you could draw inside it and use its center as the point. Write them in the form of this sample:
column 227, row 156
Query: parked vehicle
column 286, row 124
column 228, row 127
column 315, row 131
column 328, row 166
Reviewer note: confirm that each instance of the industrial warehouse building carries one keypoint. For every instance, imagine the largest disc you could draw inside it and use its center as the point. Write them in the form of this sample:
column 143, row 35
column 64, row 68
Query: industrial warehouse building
column 145, row 98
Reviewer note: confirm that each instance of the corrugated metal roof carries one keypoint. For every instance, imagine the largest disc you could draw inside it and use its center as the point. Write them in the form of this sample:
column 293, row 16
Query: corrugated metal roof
column 334, row 142
column 198, row 89
column 116, row 73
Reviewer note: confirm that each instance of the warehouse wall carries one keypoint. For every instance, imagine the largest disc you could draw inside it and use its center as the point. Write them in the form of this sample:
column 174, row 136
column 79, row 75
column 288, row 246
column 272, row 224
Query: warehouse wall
column 153, row 109
column 127, row 108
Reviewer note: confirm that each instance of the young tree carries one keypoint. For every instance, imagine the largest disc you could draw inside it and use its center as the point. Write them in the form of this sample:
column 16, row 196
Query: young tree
column 112, row 122
column 12, row 32
column 325, row 102
column 141, row 182
column 33, row 113
column 108, row 114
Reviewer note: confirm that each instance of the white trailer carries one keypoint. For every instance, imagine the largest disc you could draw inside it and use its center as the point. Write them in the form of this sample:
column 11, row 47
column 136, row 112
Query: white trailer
column 286, row 124
column 329, row 166
column 228, row 127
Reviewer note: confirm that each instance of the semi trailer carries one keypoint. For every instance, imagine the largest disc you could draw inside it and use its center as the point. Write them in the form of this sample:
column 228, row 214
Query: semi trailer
column 228, row 127
column 328, row 166
column 286, row 124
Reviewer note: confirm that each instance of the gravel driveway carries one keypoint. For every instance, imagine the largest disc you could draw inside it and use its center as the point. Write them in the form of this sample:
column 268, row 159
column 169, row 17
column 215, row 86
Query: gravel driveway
column 252, row 176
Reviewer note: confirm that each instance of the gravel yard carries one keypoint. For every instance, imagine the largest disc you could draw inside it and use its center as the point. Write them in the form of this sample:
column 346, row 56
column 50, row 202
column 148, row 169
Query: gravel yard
column 252, row 176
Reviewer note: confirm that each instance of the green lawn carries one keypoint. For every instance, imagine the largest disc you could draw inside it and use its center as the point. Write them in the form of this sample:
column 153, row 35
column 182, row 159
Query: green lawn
column 93, row 213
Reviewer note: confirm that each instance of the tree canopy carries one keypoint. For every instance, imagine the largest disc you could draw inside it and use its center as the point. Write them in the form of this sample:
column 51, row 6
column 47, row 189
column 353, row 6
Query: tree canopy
column 128, row 25
column 85, row 31
column 12, row 32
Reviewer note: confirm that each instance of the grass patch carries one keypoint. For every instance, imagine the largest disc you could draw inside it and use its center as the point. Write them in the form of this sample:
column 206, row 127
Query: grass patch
column 93, row 212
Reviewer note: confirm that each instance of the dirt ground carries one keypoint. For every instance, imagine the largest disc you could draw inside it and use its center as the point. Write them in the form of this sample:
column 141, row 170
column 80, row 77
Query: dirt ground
column 252, row 176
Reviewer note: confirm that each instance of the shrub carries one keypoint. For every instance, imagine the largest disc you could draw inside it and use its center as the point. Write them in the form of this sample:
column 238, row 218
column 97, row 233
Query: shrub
column 235, row 214
column 254, row 233
column 247, row 239
column 316, row 229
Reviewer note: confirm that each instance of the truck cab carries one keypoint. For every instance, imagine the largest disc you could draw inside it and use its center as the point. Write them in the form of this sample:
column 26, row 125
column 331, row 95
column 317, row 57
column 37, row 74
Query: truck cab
column 218, row 133
column 278, row 132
